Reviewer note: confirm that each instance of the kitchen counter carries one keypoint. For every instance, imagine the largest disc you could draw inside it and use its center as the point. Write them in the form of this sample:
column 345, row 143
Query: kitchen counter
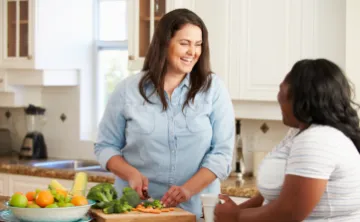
column 11, row 165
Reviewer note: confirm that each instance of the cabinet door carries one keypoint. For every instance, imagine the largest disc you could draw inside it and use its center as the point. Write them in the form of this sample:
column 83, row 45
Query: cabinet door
column 4, row 184
column 268, row 37
column 143, row 17
column 20, row 183
column 16, row 33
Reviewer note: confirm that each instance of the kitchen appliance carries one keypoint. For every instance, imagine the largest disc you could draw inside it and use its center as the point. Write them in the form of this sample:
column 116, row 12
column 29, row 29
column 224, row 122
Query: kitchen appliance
column 34, row 146
column 5, row 142
column 178, row 215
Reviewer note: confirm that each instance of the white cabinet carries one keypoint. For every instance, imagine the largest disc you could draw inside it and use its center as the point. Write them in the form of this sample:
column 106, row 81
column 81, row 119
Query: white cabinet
column 254, row 43
column 268, row 37
column 143, row 16
column 42, row 34
column 2, row 81
column 353, row 44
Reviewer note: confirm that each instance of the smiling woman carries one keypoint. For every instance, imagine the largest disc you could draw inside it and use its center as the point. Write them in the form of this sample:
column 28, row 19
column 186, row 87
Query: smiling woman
column 169, row 129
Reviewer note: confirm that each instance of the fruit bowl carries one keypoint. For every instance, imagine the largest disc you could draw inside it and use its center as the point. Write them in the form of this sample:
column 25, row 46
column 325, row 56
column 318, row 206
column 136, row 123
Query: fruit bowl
column 61, row 214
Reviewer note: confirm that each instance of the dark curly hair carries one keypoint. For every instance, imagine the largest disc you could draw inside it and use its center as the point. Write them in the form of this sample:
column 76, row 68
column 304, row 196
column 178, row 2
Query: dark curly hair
column 321, row 94
column 156, row 58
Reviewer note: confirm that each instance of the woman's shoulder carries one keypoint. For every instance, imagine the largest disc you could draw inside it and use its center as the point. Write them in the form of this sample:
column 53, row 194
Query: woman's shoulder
column 323, row 134
column 129, row 82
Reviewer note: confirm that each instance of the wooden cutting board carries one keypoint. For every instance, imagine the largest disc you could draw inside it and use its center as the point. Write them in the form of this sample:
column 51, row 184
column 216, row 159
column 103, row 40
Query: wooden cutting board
column 178, row 215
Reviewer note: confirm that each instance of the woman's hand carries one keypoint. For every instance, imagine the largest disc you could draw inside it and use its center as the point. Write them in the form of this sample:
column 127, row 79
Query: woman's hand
column 175, row 196
column 138, row 182
column 226, row 212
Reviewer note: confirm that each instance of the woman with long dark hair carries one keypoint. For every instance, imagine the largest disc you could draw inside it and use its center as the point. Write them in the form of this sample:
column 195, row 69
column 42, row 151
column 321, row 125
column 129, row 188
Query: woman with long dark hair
column 169, row 130
column 314, row 173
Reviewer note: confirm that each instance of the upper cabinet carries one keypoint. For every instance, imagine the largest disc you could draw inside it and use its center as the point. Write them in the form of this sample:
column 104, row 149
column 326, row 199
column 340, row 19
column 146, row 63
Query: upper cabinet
column 268, row 37
column 16, row 22
column 353, row 44
column 42, row 34
column 143, row 17
column 254, row 43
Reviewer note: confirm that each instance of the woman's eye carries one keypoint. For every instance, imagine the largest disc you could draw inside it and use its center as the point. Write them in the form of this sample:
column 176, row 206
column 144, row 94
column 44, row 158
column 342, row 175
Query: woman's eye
column 183, row 43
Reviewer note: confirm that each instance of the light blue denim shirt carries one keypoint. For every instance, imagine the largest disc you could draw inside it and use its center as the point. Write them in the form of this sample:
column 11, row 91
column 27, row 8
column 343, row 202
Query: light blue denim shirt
column 169, row 147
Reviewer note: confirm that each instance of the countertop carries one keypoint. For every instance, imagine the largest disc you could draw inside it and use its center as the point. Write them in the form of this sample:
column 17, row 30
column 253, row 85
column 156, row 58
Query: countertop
column 12, row 165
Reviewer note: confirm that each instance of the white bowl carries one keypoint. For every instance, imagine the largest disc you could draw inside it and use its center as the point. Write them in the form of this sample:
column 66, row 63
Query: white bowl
column 61, row 214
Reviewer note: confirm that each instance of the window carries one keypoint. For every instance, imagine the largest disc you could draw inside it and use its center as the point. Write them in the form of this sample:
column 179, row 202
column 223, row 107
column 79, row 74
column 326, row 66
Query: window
column 111, row 49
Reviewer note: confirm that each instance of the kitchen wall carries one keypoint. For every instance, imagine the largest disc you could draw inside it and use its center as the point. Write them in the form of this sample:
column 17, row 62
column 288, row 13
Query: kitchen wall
column 62, row 138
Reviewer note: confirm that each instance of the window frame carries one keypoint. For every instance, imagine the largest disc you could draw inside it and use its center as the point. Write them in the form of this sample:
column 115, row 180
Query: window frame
column 100, row 45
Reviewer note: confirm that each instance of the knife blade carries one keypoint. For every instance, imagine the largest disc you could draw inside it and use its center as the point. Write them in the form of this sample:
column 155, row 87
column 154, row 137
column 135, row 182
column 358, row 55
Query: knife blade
column 146, row 195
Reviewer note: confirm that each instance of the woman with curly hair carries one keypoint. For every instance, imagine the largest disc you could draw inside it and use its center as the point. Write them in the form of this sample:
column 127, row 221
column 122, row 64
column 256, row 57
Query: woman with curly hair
column 314, row 173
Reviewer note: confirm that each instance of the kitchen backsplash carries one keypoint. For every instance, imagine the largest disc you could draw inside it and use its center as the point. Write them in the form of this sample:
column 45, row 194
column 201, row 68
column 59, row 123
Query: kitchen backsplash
column 62, row 127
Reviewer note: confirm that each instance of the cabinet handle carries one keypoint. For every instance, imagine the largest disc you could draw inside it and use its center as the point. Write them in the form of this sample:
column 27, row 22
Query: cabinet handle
column 131, row 57
column 29, row 57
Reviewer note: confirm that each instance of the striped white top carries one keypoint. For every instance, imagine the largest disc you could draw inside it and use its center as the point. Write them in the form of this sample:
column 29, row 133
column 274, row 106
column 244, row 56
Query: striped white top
column 318, row 152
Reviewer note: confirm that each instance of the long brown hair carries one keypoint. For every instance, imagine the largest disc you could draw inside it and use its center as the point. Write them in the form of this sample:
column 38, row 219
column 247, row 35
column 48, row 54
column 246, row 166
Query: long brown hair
column 156, row 58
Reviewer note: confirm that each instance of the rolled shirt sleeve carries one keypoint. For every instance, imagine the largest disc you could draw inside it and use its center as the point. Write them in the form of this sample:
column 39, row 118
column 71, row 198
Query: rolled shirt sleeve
column 111, row 132
column 219, row 158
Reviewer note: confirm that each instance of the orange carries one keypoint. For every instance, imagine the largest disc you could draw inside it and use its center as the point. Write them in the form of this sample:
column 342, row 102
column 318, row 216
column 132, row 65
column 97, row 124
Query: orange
column 19, row 193
column 61, row 192
column 30, row 195
column 44, row 198
column 79, row 200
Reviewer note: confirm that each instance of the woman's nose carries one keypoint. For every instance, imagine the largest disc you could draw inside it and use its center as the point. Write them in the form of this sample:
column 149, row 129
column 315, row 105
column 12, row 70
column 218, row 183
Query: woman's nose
column 191, row 50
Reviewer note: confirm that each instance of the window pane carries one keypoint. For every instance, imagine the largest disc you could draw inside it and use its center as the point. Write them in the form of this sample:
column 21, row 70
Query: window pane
column 112, row 68
column 11, row 29
column 113, row 21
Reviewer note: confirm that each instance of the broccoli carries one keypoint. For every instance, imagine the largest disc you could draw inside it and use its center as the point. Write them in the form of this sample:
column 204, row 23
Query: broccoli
column 153, row 204
column 117, row 206
column 122, row 207
column 157, row 204
column 130, row 196
column 102, row 193
column 109, row 209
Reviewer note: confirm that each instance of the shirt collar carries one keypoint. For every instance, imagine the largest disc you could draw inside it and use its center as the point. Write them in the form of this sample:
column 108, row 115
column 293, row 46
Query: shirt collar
column 186, row 81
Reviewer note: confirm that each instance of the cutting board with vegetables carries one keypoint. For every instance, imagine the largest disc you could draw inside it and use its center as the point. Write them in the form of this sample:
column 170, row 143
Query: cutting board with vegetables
column 177, row 215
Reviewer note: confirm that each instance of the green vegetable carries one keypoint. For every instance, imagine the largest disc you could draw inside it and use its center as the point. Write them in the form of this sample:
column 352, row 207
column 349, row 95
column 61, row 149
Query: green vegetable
column 130, row 196
column 106, row 198
column 122, row 207
column 153, row 204
column 117, row 206
column 104, row 192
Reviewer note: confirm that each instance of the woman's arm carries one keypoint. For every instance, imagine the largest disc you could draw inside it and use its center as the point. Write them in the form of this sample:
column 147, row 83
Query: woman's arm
column 199, row 181
column 111, row 131
column 297, row 199
column 218, row 159
column 118, row 165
